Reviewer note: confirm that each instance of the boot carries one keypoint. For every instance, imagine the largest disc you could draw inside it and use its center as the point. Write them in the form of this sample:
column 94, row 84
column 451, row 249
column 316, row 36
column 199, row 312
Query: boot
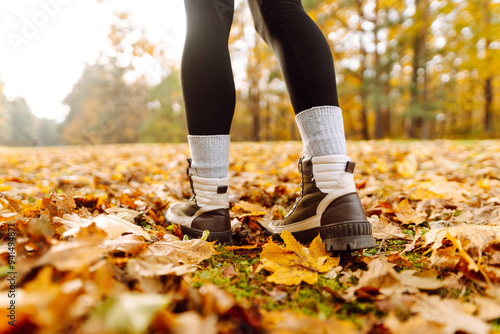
column 208, row 209
column 329, row 205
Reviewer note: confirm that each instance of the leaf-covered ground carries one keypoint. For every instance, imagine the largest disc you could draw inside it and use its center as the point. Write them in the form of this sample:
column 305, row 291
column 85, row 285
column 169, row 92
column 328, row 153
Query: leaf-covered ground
column 94, row 255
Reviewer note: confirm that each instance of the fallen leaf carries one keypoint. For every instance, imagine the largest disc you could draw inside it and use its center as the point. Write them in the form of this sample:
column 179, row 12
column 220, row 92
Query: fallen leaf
column 151, row 266
column 42, row 298
column 192, row 322
column 381, row 276
column 127, row 312
column 288, row 322
column 191, row 251
column 427, row 280
column 114, row 226
column 229, row 271
column 414, row 325
column 278, row 292
column 408, row 167
column 73, row 255
column 7, row 215
column 232, row 248
column 489, row 308
column 407, row 215
column 130, row 244
column 249, row 207
column 453, row 315
column 475, row 238
column 295, row 263
column 385, row 230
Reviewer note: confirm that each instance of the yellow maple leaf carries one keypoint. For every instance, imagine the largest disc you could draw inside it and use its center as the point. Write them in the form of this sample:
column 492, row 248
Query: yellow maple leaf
column 295, row 263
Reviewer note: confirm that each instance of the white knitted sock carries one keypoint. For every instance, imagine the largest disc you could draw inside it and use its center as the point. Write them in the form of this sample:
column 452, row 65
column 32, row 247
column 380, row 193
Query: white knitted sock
column 322, row 131
column 210, row 155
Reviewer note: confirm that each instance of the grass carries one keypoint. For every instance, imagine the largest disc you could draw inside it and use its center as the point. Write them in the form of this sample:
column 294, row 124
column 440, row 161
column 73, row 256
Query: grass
column 321, row 300
column 324, row 299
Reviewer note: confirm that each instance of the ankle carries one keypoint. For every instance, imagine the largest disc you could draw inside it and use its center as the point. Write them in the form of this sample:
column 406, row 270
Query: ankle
column 211, row 192
column 332, row 171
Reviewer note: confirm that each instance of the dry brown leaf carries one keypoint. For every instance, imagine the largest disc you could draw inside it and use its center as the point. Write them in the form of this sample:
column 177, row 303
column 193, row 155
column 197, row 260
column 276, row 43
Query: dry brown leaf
column 489, row 308
column 287, row 322
column 446, row 183
column 249, row 207
column 232, row 248
column 229, row 271
column 6, row 215
column 193, row 323
column 474, row 238
column 191, row 251
column 408, row 167
column 113, row 225
column 469, row 242
column 130, row 244
column 453, row 315
column 385, row 230
column 127, row 312
column 381, row 276
column 295, row 263
column 170, row 256
column 153, row 265
column 407, row 215
column 45, row 301
column 449, row 189
column 415, row 325
column 73, row 255
column 445, row 258
column 427, row 280
column 216, row 300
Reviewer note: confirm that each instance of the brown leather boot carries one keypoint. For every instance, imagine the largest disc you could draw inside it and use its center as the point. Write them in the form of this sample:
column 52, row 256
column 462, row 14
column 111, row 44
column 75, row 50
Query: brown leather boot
column 208, row 209
column 329, row 205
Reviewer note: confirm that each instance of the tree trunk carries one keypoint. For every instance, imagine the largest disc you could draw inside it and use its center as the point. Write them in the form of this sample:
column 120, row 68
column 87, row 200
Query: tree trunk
column 364, row 111
column 386, row 112
column 488, row 87
column 379, row 128
column 425, row 134
column 254, row 94
column 488, row 102
column 419, row 97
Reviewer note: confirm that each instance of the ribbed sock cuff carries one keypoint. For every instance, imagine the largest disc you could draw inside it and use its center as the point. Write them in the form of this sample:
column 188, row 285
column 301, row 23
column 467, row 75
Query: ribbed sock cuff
column 210, row 155
column 322, row 131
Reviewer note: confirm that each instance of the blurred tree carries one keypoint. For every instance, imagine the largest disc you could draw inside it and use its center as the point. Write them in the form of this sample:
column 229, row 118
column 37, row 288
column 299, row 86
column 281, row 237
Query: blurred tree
column 168, row 121
column 413, row 68
column 109, row 103
column 3, row 116
column 20, row 124
column 48, row 133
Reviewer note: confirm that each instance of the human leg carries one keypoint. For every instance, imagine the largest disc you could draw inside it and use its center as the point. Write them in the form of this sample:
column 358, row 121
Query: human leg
column 206, row 74
column 307, row 66
column 329, row 203
column 209, row 96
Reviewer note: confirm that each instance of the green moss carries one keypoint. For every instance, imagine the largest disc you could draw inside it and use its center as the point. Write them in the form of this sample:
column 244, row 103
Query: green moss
column 495, row 326
column 317, row 300
column 415, row 259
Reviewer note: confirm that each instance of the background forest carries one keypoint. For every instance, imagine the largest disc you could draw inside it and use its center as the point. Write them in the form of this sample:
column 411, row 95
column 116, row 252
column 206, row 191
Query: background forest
column 405, row 69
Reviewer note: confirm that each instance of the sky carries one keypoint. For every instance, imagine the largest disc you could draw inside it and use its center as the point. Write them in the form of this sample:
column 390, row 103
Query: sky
column 44, row 44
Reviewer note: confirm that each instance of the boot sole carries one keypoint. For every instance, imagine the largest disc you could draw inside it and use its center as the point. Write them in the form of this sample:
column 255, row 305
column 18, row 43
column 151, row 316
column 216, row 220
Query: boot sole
column 339, row 237
column 225, row 238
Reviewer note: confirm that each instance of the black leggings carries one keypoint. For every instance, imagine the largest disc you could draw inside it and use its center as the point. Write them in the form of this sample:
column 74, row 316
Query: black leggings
column 207, row 79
